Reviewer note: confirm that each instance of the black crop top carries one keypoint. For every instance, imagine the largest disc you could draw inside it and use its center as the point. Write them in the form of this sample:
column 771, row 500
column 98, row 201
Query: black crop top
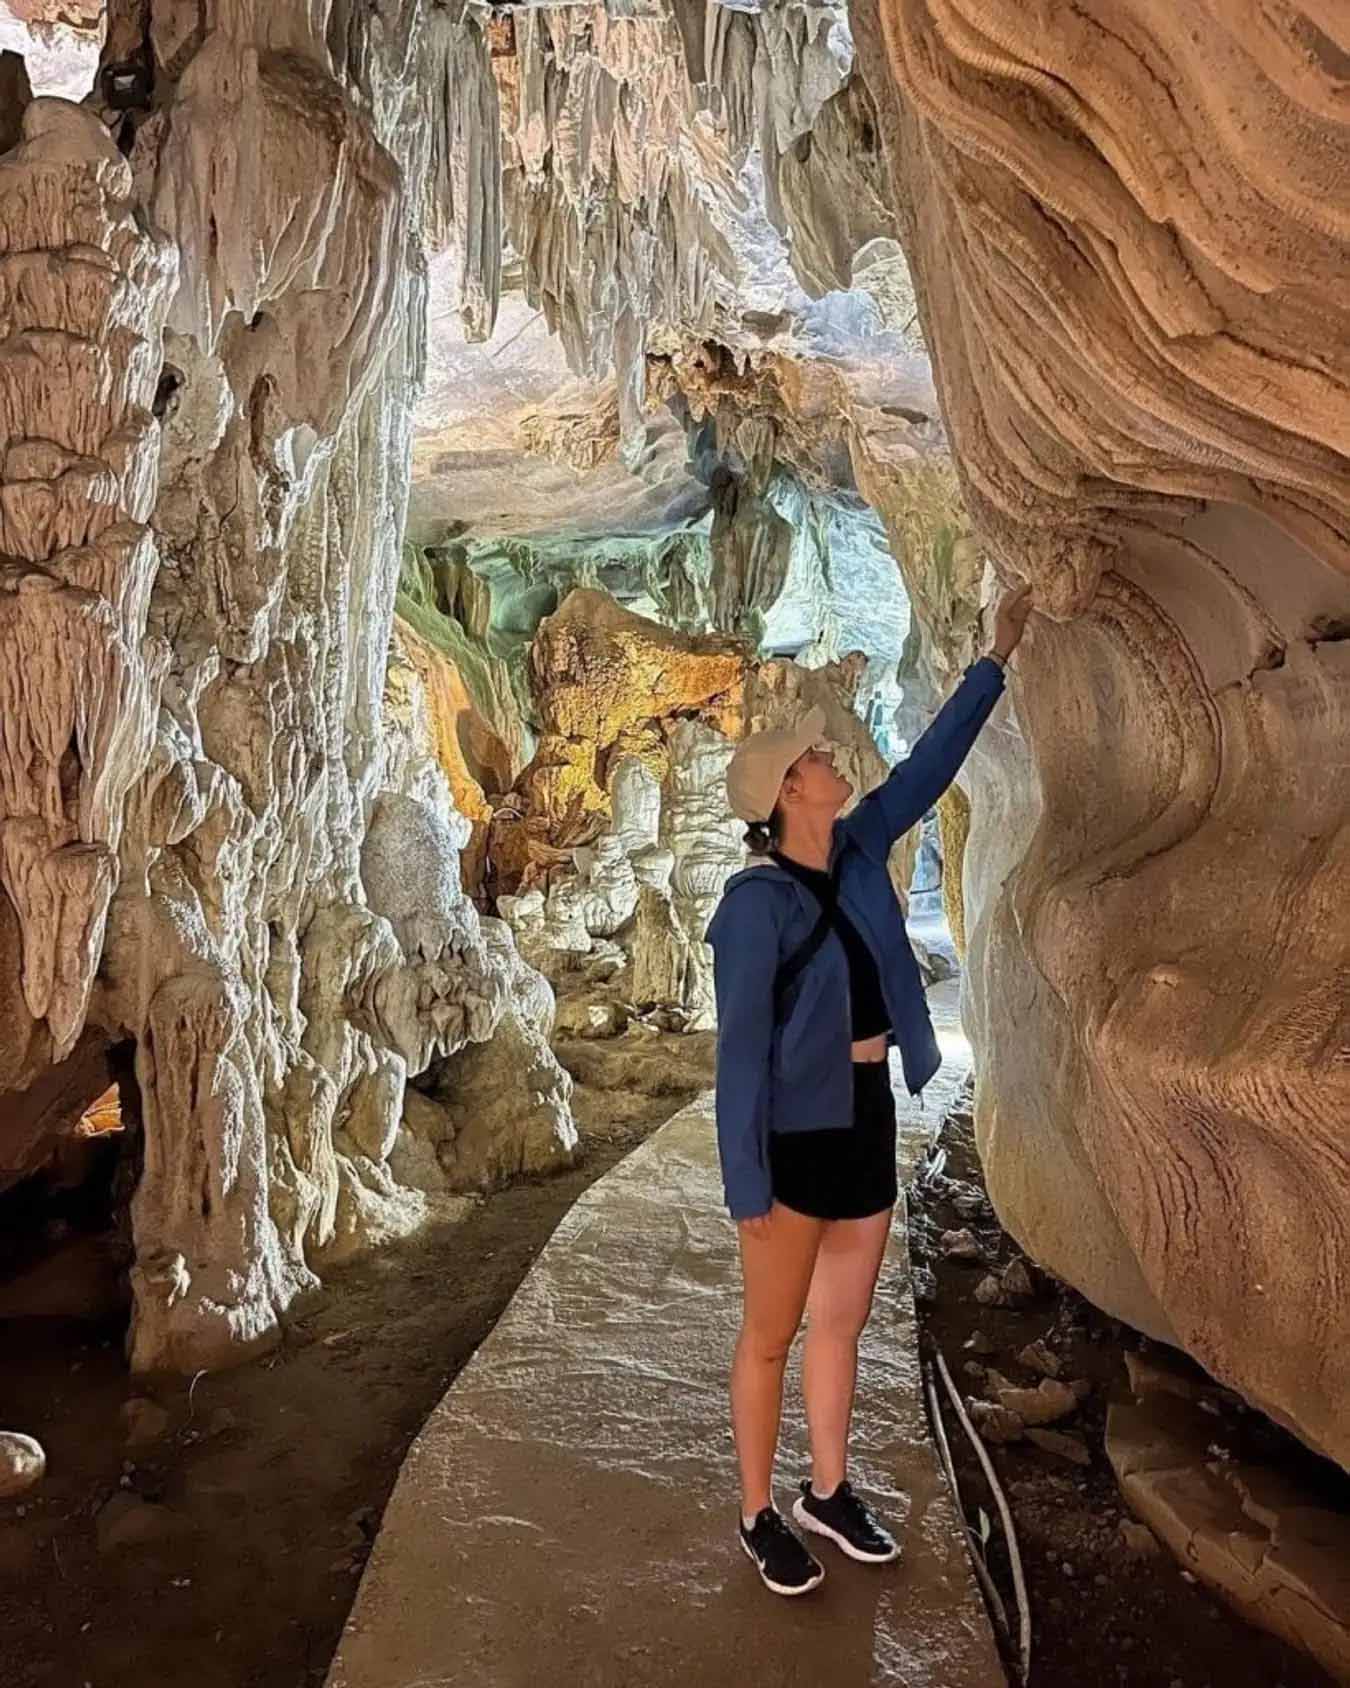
column 870, row 1015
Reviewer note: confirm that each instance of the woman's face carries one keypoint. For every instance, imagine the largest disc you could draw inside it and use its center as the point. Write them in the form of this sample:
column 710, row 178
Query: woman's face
column 813, row 782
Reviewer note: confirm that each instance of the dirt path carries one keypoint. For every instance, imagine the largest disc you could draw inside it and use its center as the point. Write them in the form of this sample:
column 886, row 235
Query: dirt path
column 1102, row 1616
column 233, row 1559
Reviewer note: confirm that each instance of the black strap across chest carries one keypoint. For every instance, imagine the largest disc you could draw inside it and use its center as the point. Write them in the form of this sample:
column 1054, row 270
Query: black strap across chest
column 794, row 965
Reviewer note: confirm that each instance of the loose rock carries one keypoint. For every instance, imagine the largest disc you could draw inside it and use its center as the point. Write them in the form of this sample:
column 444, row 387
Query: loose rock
column 579, row 1018
column 1049, row 1401
column 143, row 1421
column 1039, row 1357
column 1010, row 1289
column 22, row 1463
column 996, row 1423
column 1017, row 1282
column 604, row 1019
column 1061, row 1444
column 961, row 1245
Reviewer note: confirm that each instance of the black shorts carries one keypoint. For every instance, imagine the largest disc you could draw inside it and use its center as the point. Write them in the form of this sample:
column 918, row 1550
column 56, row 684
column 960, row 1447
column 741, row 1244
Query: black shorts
column 844, row 1174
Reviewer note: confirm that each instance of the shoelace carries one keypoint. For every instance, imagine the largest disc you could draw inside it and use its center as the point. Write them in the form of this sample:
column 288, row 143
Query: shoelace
column 776, row 1525
column 856, row 1508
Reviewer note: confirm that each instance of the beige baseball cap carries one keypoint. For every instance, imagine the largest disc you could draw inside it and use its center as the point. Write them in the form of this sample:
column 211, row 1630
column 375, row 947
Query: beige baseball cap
column 755, row 774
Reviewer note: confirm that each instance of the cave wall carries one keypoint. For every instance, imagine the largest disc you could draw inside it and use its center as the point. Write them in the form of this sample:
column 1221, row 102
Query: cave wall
column 225, row 837
column 617, row 842
column 209, row 833
column 1128, row 243
column 235, row 852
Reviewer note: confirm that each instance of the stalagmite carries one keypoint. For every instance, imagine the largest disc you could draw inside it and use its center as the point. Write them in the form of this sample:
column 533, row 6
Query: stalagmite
column 200, row 541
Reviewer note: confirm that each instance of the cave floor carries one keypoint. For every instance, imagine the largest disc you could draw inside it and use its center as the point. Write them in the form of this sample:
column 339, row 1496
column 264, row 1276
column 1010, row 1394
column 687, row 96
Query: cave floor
column 250, row 1515
column 567, row 1514
column 264, row 1488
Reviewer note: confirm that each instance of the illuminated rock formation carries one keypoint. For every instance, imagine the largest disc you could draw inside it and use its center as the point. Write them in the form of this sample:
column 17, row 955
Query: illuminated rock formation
column 227, row 843
column 205, row 850
column 1126, row 229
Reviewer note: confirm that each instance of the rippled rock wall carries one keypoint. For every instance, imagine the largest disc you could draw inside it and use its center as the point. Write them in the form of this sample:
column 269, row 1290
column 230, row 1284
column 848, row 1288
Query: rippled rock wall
column 1125, row 224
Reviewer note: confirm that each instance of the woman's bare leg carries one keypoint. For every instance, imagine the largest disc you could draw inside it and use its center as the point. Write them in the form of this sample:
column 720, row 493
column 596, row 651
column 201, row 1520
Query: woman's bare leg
column 838, row 1303
column 776, row 1269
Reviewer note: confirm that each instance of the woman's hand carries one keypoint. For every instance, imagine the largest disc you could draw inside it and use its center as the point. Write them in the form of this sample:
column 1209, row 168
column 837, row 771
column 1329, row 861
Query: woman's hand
column 1010, row 621
column 756, row 1230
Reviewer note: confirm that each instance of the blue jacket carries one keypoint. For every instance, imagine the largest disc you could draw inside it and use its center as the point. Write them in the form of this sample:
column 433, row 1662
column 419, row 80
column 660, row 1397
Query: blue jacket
column 799, row 1076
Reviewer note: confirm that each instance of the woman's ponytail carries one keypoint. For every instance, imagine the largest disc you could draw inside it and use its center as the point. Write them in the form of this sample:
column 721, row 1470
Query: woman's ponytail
column 760, row 837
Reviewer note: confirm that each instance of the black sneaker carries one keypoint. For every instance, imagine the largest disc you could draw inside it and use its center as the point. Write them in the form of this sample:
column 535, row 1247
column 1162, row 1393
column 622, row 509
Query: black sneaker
column 847, row 1522
column 781, row 1560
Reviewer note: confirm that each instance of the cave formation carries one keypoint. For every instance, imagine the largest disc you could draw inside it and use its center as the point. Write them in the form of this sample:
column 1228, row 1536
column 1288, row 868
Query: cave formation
column 430, row 434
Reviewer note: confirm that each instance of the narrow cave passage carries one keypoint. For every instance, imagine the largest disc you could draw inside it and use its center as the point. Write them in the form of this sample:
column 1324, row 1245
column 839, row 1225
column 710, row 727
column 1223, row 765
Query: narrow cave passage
column 435, row 442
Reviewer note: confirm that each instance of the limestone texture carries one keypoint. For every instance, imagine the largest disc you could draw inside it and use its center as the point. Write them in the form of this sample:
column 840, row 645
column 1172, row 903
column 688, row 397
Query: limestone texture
column 220, row 840
column 701, row 838
column 473, row 757
column 619, row 829
column 59, row 45
column 620, row 832
column 607, row 687
column 954, row 825
column 22, row 1463
column 509, row 412
column 505, row 1101
column 1126, row 239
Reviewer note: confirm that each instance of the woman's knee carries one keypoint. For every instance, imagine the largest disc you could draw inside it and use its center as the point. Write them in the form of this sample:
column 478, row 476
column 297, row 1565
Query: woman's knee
column 836, row 1324
column 765, row 1345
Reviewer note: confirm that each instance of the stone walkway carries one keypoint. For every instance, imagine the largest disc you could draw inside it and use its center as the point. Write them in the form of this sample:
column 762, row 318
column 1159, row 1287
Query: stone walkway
column 567, row 1514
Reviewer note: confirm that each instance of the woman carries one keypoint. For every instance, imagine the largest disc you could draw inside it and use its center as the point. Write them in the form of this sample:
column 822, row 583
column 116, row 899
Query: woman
column 815, row 979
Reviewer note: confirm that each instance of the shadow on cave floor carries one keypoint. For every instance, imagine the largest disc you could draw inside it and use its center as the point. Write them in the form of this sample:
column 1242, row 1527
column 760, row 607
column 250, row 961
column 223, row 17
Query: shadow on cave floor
column 250, row 1506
